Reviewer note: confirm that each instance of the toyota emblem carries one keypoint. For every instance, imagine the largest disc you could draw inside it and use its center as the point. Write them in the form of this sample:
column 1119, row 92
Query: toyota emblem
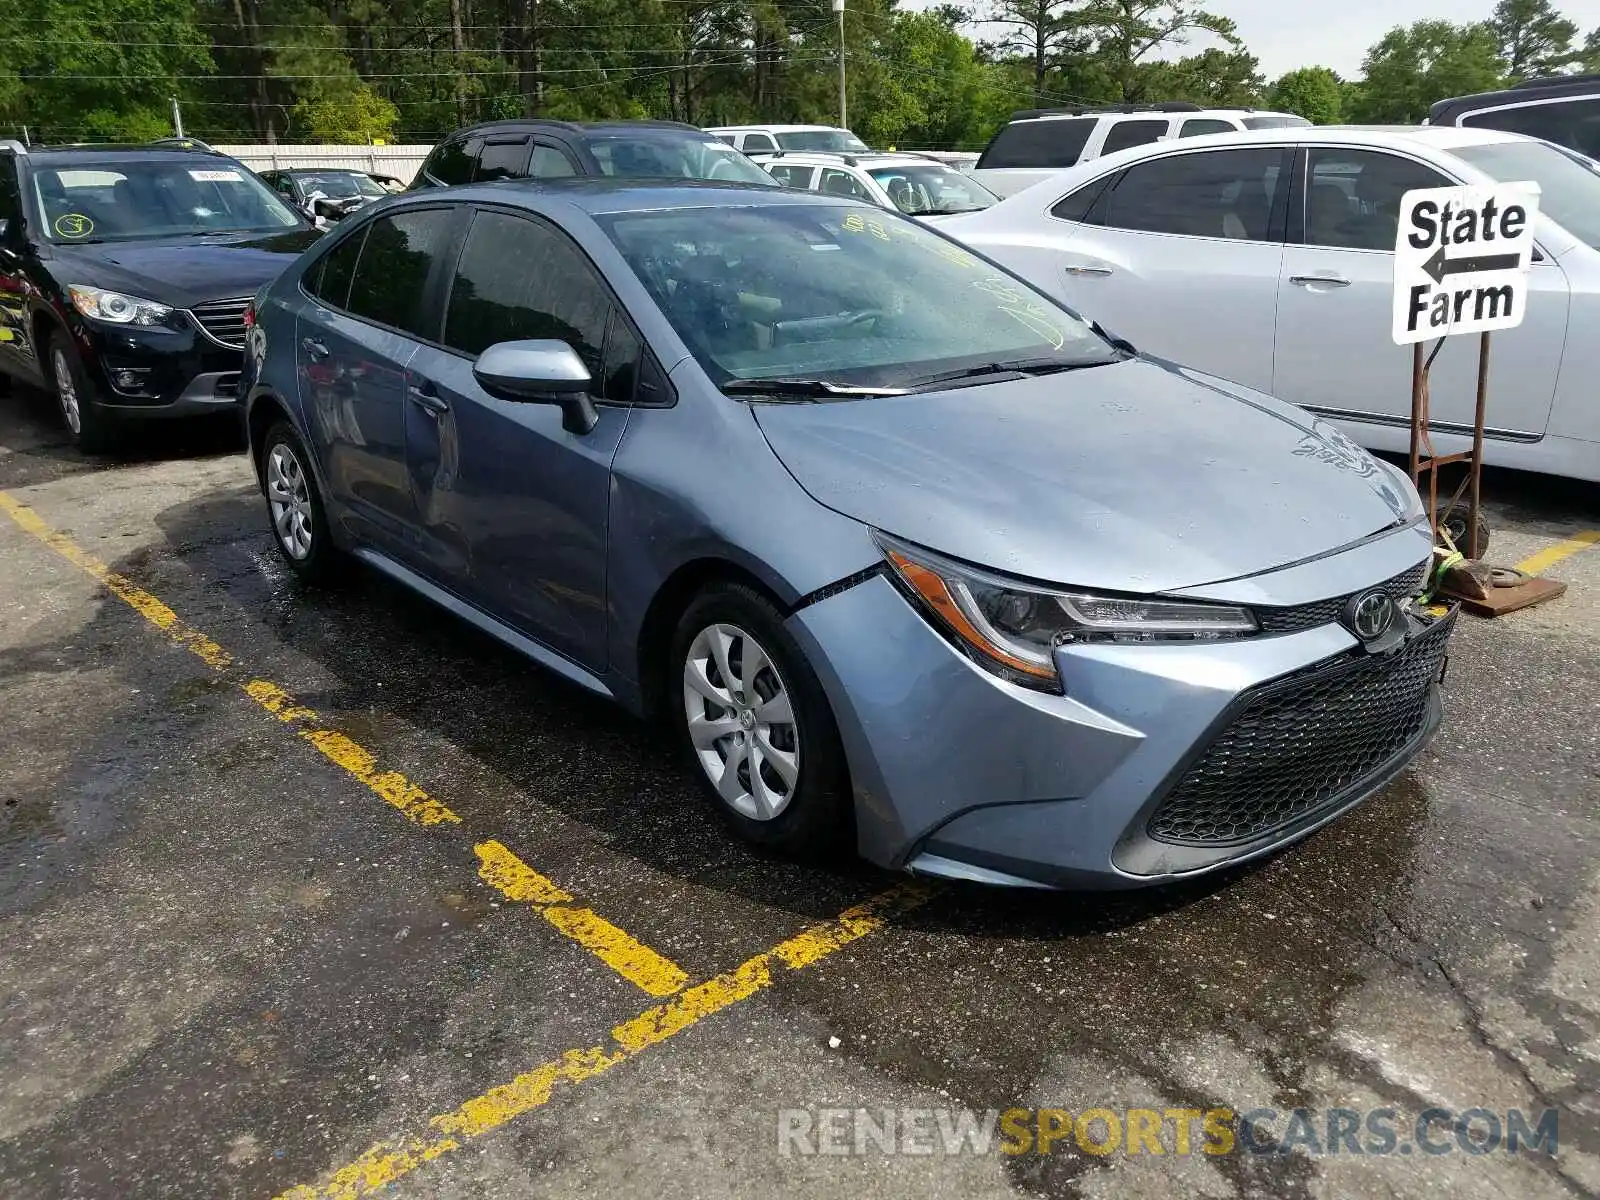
column 1371, row 615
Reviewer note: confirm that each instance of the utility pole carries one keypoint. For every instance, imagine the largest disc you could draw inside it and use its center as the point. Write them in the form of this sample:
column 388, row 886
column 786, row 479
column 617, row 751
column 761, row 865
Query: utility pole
column 844, row 121
column 177, row 118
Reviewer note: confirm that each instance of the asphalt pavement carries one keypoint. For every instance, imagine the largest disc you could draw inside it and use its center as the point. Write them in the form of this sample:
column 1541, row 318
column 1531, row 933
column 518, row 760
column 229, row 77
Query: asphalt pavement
column 318, row 893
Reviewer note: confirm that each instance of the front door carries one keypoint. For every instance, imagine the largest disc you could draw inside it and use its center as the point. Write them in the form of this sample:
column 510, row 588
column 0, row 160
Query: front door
column 16, row 353
column 1336, row 353
column 513, row 507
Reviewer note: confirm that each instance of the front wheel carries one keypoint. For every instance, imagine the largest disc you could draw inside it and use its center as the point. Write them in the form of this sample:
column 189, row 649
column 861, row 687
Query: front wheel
column 754, row 719
column 294, row 506
column 90, row 426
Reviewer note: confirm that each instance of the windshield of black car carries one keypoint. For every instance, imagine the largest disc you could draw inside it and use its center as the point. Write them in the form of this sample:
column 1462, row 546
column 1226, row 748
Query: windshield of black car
column 841, row 293
column 932, row 188
column 837, row 141
column 118, row 201
column 341, row 185
column 1569, row 190
column 658, row 157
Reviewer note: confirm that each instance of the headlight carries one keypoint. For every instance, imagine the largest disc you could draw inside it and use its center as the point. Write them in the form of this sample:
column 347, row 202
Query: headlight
column 116, row 307
column 1013, row 628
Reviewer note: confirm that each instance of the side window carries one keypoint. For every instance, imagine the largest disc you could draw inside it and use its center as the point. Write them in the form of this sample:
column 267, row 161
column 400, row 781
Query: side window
column 1574, row 122
column 519, row 278
column 10, row 194
column 550, row 163
column 1353, row 196
column 502, row 158
column 790, row 174
column 754, row 143
column 329, row 280
column 392, row 276
column 1080, row 203
column 1198, row 126
column 453, row 162
column 1138, row 132
column 623, row 351
column 1043, row 143
column 729, row 138
column 841, row 183
column 1215, row 193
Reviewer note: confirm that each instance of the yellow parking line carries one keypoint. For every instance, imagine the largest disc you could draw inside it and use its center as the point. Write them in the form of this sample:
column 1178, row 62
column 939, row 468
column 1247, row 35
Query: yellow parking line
column 1548, row 557
column 385, row 1162
column 634, row 961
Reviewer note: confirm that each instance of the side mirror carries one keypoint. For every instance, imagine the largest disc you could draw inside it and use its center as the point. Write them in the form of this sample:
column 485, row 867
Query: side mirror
column 540, row 372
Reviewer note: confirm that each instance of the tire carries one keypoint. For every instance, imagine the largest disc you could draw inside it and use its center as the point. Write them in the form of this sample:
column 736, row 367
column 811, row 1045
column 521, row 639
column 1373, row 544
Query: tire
column 1455, row 524
column 805, row 812
column 92, row 428
column 295, row 513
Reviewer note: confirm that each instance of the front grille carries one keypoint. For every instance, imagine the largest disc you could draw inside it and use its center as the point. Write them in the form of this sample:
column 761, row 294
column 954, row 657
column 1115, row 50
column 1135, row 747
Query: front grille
column 223, row 320
column 1325, row 612
column 1300, row 743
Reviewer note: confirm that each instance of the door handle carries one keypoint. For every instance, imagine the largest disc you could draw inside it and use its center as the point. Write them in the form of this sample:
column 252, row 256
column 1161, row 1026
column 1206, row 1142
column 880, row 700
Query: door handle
column 1327, row 280
column 425, row 398
column 1074, row 270
column 316, row 351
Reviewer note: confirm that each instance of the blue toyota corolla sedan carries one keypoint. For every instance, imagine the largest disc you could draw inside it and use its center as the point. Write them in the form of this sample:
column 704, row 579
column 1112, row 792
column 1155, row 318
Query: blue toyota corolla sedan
column 908, row 554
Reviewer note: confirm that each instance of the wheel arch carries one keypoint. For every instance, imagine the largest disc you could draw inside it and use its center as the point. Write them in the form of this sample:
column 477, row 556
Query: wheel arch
column 266, row 408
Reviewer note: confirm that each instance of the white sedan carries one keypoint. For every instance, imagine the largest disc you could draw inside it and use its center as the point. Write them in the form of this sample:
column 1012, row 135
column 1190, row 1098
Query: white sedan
column 1267, row 258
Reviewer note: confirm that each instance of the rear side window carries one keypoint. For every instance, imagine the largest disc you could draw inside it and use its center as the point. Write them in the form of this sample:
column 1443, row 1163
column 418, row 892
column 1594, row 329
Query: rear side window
column 790, row 175
column 1215, row 193
column 1574, row 122
column 454, row 162
column 756, row 142
column 519, row 278
column 1046, row 143
column 329, row 280
column 1133, row 133
column 1080, row 203
column 1199, row 126
column 502, row 158
column 392, row 275
column 841, row 183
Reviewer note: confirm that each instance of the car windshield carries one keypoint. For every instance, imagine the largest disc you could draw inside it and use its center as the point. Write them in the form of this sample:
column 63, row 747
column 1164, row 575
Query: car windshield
column 1569, row 191
column 856, row 297
column 121, row 201
column 933, row 188
column 836, row 141
column 657, row 157
column 341, row 185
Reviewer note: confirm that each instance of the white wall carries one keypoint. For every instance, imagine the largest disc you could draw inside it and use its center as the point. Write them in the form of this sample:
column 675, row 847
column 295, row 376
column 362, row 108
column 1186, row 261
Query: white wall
column 402, row 162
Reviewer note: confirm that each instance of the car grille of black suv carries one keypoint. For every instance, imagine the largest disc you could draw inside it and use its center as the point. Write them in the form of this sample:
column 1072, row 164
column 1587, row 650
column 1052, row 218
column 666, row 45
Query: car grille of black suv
column 1312, row 739
column 223, row 320
column 1325, row 612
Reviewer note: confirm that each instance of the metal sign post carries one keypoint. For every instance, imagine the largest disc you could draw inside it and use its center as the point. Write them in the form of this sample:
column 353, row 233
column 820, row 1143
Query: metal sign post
column 1461, row 264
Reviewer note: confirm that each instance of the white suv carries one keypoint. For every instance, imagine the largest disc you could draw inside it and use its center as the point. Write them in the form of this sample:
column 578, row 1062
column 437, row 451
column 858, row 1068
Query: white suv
column 915, row 184
column 759, row 139
column 1038, row 142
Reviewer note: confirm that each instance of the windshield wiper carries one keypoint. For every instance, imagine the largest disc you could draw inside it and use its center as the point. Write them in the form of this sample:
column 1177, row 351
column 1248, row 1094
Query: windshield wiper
column 805, row 387
column 1013, row 366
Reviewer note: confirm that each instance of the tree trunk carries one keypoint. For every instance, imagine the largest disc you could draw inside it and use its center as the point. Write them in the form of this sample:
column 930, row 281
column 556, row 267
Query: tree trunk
column 1040, row 38
column 458, row 44
column 530, row 78
column 247, row 16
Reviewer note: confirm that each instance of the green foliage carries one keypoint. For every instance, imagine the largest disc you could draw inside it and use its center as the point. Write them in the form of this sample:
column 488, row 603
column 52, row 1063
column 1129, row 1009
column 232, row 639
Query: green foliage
column 1315, row 93
column 1532, row 38
column 1414, row 66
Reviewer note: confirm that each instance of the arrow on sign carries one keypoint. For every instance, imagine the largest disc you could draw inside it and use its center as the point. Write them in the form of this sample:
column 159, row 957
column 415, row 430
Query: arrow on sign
column 1439, row 266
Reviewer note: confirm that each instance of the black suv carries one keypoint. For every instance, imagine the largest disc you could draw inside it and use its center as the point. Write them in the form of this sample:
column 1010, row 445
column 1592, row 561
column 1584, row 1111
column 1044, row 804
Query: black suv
column 1564, row 109
column 125, row 273
column 557, row 149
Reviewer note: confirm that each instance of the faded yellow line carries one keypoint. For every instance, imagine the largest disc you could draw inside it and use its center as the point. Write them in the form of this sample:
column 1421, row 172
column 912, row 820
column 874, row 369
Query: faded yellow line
column 1537, row 564
column 633, row 960
column 386, row 1162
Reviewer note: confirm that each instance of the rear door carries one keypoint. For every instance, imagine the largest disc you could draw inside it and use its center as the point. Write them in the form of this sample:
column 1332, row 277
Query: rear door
column 16, row 355
column 513, row 506
column 352, row 346
column 1335, row 349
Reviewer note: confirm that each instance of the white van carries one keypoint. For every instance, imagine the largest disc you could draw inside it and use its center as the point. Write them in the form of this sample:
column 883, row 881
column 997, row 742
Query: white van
column 763, row 139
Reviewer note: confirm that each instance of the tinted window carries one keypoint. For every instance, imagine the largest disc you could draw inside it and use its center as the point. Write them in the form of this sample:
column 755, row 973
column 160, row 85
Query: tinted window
column 1076, row 207
column 758, row 142
column 790, row 175
column 623, row 349
column 454, row 161
column 502, row 160
column 1275, row 122
column 393, row 272
column 1133, row 133
column 1039, row 143
column 1569, row 188
column 329, row 280
column 834, row 141
column 1574, row 122
column 123, row 198
column 10, row 196
column 1196, row 127
column 519, row 279
column 1216, row 193
column 841, row 183
column 1353, row 196
column 550, row 163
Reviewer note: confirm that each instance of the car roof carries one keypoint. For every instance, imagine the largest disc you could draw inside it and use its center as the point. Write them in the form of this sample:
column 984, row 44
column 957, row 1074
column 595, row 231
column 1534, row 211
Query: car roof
column 859, row 158
column 774, row 129
column 1529, row 91
column 1183, row 111
column 519, row 124
column 61, row 155
column 1436, row 137
column 601, row 194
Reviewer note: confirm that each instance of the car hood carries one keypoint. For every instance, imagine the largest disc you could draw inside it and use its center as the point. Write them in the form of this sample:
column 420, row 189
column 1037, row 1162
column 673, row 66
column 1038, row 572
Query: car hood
column 183, row 272
column 1136, row 476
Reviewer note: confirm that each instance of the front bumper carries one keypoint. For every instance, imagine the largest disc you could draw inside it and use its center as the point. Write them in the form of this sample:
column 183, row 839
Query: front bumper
column 179, row 372
column 958, row 772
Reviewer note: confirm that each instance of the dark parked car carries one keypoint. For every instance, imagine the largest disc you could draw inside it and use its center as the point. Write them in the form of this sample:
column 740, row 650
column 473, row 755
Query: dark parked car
column 557, row 149
column 886, row 533
column 125, row 272
column 1564, row 109
column 328, row 193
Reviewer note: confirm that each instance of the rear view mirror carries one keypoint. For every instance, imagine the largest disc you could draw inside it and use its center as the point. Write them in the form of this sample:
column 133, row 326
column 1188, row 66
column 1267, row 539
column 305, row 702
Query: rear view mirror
column 540, row 372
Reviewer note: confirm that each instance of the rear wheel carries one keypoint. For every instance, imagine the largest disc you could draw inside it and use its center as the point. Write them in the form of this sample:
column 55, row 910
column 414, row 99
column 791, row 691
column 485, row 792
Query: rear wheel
column 294, row 506
column 91, row 427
